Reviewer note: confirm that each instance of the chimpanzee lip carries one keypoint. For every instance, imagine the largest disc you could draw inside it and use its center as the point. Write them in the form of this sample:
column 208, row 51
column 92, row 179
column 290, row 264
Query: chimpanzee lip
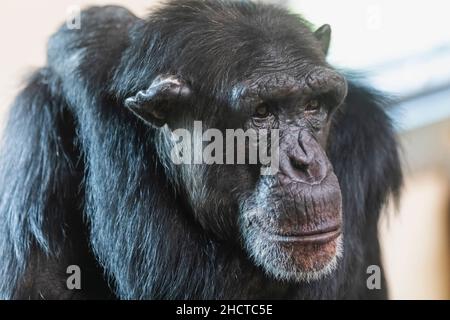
column 318, row 236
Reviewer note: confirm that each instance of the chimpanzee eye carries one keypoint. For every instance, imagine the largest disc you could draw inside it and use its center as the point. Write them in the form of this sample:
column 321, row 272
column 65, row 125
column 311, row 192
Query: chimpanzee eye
column 313, row 105
column 262, row 110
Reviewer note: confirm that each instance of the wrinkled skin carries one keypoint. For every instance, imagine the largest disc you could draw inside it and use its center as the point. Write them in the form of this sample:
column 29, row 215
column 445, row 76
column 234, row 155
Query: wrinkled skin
column 292, row 223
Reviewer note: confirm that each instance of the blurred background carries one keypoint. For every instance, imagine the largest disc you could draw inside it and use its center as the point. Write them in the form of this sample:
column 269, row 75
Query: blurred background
column 401, row 47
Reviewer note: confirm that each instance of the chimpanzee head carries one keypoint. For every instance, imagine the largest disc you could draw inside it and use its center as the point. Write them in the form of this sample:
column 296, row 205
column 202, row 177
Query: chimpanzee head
column 242, row 66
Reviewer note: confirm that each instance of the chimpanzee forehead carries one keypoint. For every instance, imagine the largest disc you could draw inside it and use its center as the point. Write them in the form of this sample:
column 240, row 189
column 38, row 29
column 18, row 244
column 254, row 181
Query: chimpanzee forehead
column 218, row 44
column 271, row 86
column 231, row 29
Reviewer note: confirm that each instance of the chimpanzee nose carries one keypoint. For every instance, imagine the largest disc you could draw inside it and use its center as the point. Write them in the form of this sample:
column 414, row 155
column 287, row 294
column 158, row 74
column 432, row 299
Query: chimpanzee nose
column 305, row 160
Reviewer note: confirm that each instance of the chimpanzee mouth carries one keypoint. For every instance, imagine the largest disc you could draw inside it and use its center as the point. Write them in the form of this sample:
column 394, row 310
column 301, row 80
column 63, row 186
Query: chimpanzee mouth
column 318, row 236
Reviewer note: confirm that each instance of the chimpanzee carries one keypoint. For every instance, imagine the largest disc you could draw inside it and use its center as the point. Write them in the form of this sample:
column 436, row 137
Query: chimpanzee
column 88, row 178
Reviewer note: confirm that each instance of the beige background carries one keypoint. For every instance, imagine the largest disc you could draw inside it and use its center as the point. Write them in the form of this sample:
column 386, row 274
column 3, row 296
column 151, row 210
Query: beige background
column 24, row 29
column 416, row 244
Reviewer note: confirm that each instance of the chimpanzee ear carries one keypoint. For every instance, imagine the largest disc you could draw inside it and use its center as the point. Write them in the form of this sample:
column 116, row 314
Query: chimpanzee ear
column 153, row 104
column 323, row 35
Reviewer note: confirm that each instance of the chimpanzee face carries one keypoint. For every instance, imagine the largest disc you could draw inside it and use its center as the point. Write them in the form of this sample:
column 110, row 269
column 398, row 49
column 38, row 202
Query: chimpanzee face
column 290, row 221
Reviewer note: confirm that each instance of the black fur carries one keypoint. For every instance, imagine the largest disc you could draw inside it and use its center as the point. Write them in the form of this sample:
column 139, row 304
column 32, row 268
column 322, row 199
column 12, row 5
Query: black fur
column 81, row 182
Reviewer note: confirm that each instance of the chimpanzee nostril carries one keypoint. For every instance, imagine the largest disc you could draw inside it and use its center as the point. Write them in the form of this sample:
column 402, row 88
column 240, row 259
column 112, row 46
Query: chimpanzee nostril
column 304, row 161
column 298, row 164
